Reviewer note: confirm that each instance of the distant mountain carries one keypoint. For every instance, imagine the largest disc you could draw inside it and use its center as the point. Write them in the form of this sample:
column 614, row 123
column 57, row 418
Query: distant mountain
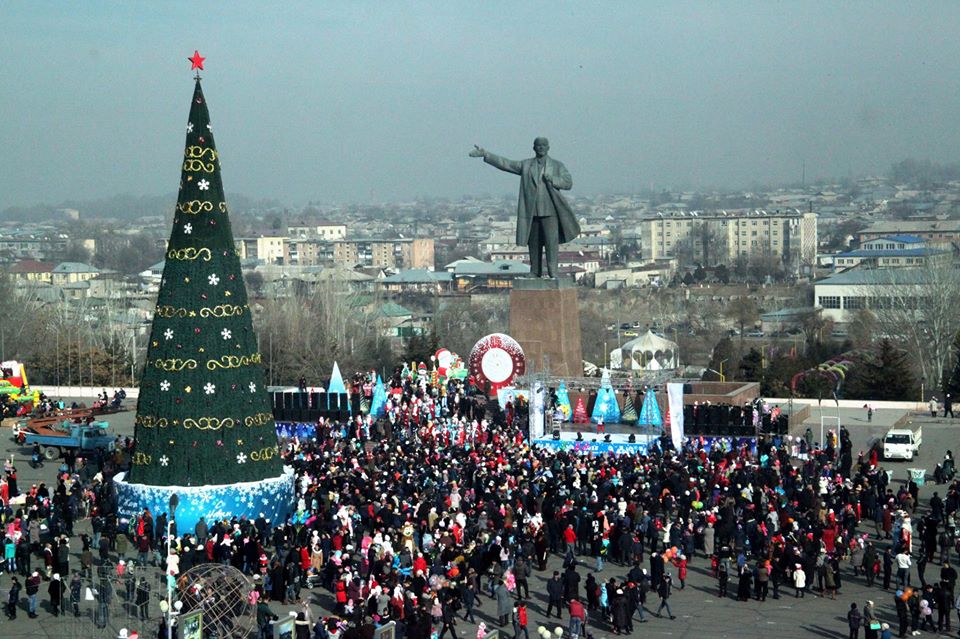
column 126, row 207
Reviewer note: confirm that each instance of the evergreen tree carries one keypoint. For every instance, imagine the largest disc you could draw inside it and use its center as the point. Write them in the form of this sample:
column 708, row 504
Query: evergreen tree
column 203, row 416
column 884, row 376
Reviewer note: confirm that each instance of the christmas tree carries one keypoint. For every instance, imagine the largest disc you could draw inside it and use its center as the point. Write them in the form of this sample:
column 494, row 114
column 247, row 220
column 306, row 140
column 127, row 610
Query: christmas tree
column 629, row 411
column 650, row 411
column 580, row 412
column 606, row 407
column 378, row 404
column 203, row 416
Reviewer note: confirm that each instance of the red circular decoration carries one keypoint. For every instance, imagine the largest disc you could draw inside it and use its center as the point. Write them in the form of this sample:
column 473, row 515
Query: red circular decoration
column 495, row 361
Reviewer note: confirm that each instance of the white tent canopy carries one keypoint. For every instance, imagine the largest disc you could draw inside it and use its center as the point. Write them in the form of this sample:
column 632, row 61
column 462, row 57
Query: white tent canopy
column 648, row 352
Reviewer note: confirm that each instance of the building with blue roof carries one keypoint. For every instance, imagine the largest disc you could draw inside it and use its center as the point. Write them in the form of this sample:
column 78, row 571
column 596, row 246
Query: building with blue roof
column 892, row 251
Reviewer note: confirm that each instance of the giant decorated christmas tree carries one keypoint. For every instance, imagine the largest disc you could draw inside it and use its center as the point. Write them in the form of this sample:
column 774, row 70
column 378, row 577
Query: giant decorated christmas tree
column 204, row 426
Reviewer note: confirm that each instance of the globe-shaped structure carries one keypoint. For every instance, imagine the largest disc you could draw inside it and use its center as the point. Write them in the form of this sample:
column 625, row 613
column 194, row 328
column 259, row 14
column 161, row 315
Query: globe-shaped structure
column 221, row 591
column 495, row 361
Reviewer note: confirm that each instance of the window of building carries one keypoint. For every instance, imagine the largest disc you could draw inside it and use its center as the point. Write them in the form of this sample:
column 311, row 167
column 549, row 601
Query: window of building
column 830, row 301
column 851, row 303
column 753, row 233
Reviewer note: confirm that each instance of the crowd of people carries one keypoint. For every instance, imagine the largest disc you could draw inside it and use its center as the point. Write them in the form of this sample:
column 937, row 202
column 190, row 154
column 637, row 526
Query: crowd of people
column 441, row 509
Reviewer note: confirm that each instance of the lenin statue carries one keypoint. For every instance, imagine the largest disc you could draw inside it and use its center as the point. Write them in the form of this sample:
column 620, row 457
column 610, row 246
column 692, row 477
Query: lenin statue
column 544, row 218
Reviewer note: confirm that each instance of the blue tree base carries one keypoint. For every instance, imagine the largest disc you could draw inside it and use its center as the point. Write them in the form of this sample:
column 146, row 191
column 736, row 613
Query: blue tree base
column 272, row 497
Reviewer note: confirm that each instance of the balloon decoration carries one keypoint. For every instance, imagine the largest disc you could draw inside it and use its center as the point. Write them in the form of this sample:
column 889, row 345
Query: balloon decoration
column 495, row 361
column 449, row 365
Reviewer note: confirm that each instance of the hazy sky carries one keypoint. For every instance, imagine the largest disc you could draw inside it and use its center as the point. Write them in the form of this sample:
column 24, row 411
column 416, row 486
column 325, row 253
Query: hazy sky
column 379, row 101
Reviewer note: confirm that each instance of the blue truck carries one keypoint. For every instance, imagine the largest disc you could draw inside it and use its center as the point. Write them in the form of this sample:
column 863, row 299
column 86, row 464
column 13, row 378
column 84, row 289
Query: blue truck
column 56, row 438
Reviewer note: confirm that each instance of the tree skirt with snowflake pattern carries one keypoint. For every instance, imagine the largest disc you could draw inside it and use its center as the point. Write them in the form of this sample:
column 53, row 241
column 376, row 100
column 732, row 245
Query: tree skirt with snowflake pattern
column 273, row 497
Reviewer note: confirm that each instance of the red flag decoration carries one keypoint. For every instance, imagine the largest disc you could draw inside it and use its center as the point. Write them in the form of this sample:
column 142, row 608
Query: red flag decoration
column 580, row 413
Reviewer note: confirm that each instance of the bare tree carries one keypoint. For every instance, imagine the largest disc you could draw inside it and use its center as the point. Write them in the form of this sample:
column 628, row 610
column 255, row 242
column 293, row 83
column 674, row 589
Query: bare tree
column 919, row 309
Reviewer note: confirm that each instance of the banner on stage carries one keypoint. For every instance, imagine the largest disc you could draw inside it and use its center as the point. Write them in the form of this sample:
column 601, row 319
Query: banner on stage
column 675, row 406
column 593, row 448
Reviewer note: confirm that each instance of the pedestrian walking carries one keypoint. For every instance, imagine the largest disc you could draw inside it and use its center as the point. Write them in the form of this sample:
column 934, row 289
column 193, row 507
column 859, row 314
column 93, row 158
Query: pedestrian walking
column 663, row 591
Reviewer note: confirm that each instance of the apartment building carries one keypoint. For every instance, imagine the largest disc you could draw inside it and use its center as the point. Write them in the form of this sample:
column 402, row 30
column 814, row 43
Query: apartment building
column 727, row 236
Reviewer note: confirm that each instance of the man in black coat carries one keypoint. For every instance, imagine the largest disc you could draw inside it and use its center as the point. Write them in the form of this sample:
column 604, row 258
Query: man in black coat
column 571, row 584
column 555, row 592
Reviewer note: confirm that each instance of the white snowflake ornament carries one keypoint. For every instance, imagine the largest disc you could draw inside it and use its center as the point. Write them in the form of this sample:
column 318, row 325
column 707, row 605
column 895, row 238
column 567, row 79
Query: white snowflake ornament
column 168, row 334
column 187, row 229
column 164, row 460
column 226, row 334
column 189, row 127
column 241, row 459
column 253, row 387
column 214, row 279
column 164, row 385
column 203, row 185
column 209, row 388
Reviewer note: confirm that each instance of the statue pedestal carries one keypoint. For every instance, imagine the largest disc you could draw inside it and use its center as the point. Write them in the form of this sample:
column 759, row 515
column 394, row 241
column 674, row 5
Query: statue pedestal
column 545, row 320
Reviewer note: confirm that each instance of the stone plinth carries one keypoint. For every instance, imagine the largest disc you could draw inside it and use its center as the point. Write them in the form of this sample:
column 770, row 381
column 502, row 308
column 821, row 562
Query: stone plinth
column 545, row 320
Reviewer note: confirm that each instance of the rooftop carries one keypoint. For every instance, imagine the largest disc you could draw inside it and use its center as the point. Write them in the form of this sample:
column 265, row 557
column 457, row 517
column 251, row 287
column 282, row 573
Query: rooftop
column 75, row 267
column 879, row 276
column 31, row 266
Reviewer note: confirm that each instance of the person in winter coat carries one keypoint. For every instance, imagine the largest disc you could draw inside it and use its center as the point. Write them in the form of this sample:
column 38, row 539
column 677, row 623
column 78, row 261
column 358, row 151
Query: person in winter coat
column 854, row 619
column 663, row 591
column 870, row 621
column 55, row 590
column 519, row 620
column 555, row 595
column 504, row 603
column 449, row 617
column 799, row 580
column 593, row 593
column 13, row 598
column 681, row 564
column 743, row 587
column 621, row 615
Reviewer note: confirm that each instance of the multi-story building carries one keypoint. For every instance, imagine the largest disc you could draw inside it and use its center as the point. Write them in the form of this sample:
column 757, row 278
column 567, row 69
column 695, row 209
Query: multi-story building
column 404, row 253
column 893, row 251
column 934, row 232
column 267, row 248
column 319, row 230
column 727, row 236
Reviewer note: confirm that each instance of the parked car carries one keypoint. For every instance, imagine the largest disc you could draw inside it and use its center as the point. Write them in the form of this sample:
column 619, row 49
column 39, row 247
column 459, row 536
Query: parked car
column 755, row 334
column 630, row 334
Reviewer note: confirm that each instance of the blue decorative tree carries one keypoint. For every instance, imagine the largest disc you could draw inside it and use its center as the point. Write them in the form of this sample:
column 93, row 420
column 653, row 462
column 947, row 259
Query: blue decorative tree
column 606, row 407
column 378, row 405
column 650, row 412
column 563, row 401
